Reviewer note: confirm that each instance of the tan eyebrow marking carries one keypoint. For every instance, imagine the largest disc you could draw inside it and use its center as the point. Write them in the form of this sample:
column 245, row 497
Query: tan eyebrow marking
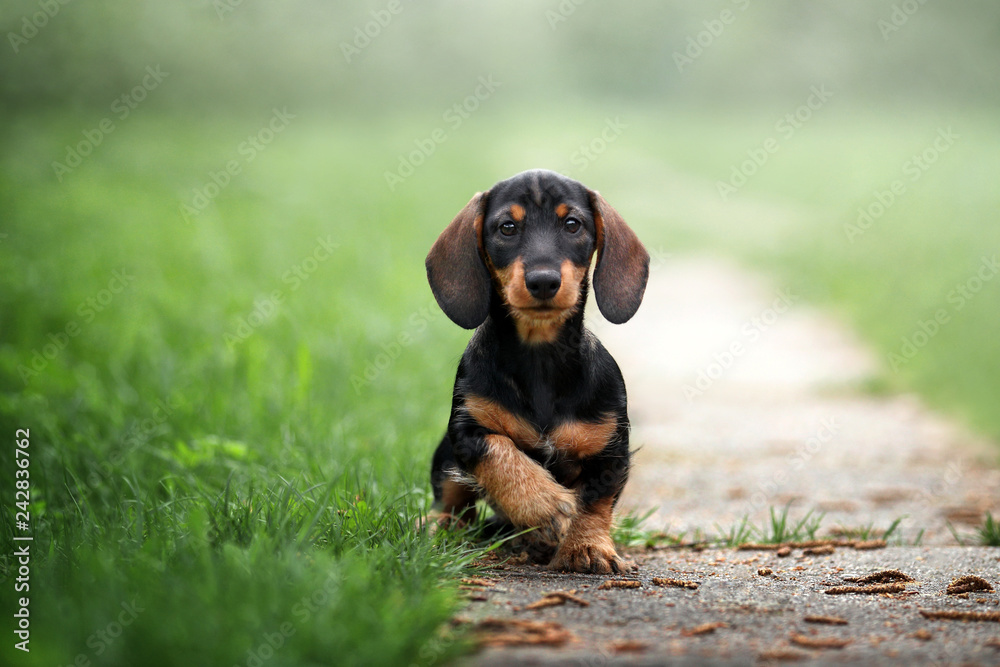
column 562, row 210
column 517, row 212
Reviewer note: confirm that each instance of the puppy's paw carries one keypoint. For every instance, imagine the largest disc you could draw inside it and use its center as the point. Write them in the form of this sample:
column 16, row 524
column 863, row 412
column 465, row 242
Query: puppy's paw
column 555, row 515
column 550, row 507
column 598, row 557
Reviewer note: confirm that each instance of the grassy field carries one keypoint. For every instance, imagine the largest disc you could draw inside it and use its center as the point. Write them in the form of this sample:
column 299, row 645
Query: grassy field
column 232, row 409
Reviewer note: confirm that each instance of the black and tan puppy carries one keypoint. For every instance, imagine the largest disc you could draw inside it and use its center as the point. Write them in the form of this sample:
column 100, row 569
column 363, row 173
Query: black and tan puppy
column 539, row 424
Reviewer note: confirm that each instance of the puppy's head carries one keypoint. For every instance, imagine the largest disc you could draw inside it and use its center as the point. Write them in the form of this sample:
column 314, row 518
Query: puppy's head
column 531, row 239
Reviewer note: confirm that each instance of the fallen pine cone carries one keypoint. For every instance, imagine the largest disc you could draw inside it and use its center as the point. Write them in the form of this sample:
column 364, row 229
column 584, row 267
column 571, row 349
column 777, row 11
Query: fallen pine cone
column 703, row 629
column 556, row 598
column 765, row 571
column 881, row 577
column 819, row 642
column 825, row 620
column 867, row 545
column 478, row 582
column 514, row 632
column 545, row 602
column 824, row 550
column 781, row 655
column 993, row 616
column 677, row 583
column 968, row 584
column 810, row 544
column 869, row 590
column 619, row 583
column 628, row 646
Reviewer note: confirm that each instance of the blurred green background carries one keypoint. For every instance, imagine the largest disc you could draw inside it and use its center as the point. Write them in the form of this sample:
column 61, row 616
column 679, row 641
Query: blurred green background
column 213, row 312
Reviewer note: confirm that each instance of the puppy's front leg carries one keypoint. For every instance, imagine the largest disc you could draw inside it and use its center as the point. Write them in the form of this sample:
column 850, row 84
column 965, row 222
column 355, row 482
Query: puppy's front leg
column 518, row 486
column 588, row 546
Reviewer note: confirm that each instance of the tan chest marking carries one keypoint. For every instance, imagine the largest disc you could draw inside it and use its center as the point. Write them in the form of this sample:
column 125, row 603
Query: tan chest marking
column 580, row 440
column 575, row 439
column 494, row 417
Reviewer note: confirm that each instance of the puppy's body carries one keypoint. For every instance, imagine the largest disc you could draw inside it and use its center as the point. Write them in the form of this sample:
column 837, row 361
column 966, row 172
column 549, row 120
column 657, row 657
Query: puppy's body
column 539, row 424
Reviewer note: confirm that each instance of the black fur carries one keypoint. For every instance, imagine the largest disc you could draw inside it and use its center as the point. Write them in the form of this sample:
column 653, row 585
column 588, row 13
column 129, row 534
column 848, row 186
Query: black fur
column 573, row 378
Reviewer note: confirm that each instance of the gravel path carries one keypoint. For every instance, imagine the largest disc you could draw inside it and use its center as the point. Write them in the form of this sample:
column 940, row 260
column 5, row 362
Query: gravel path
column 742, row 399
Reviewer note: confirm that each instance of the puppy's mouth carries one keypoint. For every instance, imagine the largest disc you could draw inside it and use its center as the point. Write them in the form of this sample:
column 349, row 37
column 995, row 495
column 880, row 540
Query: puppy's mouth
column 541, row 312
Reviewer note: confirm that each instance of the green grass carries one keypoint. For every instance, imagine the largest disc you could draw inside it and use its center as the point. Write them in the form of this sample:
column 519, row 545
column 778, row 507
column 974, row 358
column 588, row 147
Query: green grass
column 989, row 532
column 221, row 474
column 777, row 529
column 222, row 486
column 870, row 532
column 630, row 530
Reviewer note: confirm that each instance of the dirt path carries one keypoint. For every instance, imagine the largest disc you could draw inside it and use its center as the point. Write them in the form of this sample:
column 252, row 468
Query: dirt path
column 743, row 399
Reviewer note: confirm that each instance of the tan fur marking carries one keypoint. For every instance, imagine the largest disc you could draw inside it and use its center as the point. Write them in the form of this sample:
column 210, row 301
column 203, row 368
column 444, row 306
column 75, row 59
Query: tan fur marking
column 562, row 210
column 517, row 212
column 583, row 439
column 588, row 546
column 525, row 492
column 540, row 321
column 496, row 418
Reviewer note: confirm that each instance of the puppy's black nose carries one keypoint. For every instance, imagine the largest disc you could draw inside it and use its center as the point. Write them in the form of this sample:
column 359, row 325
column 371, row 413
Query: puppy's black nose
column 543, row 283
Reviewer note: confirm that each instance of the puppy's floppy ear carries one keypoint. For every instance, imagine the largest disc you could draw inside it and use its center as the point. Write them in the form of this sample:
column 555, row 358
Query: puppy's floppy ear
column 456, row 270
column 622, row 263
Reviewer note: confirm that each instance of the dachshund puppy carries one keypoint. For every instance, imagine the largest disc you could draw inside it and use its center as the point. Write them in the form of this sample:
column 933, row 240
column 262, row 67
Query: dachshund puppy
column 539, row 425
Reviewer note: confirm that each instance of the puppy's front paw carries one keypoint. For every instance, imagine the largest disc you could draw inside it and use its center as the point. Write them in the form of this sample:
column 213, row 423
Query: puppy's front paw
column 553, row 514
column 597, row 556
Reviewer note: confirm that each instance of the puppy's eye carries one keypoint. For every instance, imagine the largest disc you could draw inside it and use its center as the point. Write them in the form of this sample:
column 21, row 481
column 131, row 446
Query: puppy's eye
column 508, row 228
column 572, row 225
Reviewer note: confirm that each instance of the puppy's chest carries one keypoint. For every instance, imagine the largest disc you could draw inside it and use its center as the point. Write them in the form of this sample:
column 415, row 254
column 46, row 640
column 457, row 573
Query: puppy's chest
column 545, row 424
